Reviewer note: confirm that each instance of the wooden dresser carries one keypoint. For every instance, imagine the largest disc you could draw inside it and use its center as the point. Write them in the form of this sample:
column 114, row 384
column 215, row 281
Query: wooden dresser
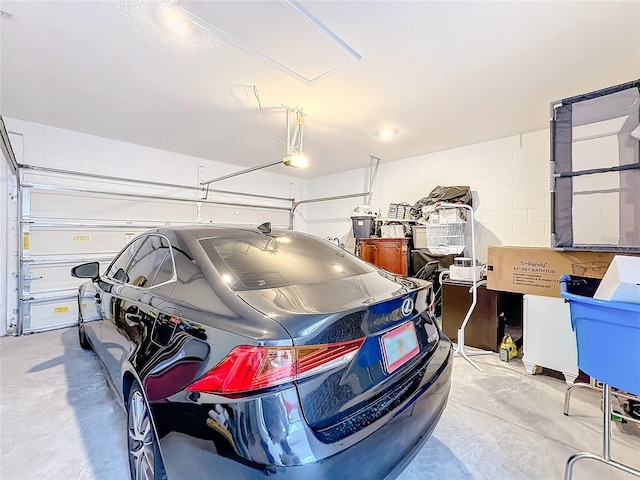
column 392, row 254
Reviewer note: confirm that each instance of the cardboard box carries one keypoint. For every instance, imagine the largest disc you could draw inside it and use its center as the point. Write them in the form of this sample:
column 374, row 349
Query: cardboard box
column 537, row 270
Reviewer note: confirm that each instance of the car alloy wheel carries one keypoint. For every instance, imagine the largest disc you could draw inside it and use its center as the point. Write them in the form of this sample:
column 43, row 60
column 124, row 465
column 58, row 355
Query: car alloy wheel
column 144, row 456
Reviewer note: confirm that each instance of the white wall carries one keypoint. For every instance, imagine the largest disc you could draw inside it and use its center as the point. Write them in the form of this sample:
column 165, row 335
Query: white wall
column 75, row 221
column 63, row 149
column 509, row 178
column 4, row 214
column 8, row 250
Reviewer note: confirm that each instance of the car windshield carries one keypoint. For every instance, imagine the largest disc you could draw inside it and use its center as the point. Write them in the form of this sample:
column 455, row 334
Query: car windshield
column 254, row 262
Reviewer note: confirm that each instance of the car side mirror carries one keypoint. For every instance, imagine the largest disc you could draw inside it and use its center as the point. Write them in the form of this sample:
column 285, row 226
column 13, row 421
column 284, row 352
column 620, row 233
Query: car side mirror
column 86, row 270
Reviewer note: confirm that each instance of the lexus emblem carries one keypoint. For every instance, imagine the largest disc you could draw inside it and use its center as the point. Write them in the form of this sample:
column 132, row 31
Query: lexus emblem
column 407, row 306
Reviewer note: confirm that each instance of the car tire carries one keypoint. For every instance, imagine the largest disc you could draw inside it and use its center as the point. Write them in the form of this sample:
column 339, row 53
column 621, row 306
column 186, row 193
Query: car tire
column 82, row 336
column 145, row 462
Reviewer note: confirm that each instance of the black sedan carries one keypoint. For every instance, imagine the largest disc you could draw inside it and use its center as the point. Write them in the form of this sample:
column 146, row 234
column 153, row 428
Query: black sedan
column 241, row 353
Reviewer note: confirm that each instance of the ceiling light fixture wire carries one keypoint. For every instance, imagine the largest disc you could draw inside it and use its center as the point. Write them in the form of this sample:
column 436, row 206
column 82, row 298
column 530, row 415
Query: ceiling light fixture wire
column 294, row 157
column 264, row 119
column 295, row 139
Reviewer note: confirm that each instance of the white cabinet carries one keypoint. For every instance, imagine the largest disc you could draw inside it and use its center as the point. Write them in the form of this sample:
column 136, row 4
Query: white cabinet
column 549, row 341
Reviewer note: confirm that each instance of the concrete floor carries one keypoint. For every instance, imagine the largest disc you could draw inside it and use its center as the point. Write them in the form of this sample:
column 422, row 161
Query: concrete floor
column 59, row 420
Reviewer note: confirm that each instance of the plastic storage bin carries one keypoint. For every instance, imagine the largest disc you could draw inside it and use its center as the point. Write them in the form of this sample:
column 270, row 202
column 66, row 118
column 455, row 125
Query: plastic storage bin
column 607, row 335
column 362, row 226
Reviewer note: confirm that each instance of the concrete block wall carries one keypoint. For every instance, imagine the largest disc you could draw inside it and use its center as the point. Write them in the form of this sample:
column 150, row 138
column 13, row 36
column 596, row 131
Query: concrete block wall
column 509, row 178
column 596, row 205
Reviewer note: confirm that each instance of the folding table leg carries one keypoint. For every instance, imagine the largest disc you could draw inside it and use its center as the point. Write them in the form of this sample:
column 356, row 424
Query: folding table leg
column 567, row 395
column 606, row 441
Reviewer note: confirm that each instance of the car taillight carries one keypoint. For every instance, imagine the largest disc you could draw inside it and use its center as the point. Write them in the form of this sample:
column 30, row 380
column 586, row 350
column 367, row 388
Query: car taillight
column 249, row 368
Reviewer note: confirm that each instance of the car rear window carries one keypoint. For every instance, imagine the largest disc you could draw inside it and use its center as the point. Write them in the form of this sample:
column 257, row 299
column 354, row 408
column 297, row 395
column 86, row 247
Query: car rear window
column 254, row 262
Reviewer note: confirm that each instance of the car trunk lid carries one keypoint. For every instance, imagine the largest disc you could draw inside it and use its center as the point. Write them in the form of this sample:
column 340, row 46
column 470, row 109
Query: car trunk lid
column 388, row 313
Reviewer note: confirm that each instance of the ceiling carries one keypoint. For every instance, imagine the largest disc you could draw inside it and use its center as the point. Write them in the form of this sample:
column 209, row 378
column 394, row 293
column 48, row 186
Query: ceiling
column 444, row 74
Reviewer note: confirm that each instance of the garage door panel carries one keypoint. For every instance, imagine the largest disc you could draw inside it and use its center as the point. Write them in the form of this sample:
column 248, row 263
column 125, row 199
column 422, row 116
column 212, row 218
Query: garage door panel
column 243, row 215
column 49, row 315
column 52, row 278
column 66, row 222
column 57, row 205
column 45, row 241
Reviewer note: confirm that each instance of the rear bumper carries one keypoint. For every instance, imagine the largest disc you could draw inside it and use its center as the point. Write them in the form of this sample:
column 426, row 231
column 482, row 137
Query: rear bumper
column 272, row 433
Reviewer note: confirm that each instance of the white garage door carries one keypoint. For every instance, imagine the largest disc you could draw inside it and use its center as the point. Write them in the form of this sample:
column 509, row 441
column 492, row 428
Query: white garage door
column 68, row 219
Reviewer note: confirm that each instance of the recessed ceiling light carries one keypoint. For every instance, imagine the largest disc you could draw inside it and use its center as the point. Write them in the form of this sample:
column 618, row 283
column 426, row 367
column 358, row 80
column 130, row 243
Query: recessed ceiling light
column 176, row 23
column 386, row 132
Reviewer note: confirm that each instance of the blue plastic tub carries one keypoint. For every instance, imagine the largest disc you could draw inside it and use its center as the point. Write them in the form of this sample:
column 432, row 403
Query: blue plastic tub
column 607, row 337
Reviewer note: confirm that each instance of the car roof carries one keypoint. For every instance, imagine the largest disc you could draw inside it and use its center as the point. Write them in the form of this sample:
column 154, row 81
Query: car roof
column 200, row 232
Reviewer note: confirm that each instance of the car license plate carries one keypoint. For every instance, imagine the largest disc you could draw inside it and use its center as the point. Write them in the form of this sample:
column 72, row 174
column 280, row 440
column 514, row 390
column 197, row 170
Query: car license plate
column 399, row 346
